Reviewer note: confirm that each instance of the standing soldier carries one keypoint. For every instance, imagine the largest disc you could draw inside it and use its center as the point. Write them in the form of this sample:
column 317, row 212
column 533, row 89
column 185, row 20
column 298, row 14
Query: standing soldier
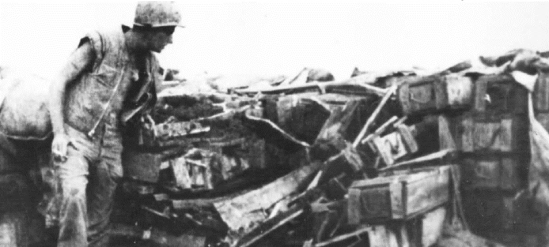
column 109, row 74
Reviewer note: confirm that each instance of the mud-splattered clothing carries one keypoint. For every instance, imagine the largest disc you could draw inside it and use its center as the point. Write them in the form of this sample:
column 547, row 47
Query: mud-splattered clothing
column 115, row 79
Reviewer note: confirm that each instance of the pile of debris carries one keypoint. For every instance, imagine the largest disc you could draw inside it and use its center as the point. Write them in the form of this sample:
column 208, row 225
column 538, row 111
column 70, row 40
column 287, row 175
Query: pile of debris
column 397, row 159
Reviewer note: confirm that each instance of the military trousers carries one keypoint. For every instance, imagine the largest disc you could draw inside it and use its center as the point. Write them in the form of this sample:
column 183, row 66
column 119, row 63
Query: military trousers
column 88, row 180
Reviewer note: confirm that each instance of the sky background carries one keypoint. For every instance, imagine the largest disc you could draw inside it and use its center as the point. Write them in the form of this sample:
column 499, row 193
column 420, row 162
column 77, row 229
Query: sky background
column 282, row 37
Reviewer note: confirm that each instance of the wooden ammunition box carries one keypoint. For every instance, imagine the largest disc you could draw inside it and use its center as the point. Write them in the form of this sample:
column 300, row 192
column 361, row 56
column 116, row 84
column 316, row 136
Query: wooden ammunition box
column 398, row 197
column 408, row 140
column 430, row 94
column 500, row 94
column 391, row 147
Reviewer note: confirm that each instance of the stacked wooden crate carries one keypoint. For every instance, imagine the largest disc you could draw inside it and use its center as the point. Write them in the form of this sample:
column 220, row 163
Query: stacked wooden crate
column 410, row 205
column 404, row 205
column 493, row 139
column 482, row 117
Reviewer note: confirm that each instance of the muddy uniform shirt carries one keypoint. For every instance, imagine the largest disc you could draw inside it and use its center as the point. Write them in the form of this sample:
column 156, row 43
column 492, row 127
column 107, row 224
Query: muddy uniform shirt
column 115, row 75
column 113, row 79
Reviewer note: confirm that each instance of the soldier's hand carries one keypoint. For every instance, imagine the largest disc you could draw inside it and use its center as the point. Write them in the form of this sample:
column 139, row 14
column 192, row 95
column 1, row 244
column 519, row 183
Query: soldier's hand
column 60, row 146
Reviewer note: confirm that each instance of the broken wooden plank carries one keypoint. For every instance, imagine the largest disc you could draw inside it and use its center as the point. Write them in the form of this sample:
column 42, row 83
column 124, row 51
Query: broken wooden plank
column 440, row 157
column 374, row 115
column 197, row 203
column 360, row 81
column 274, row 134
column 242, row 212
column 408, row 137
column 181, row 172
column 381, row 129
column 346, row 161
column 302, row 116
column 445, row 139
column 358, row 232
column 268, row 226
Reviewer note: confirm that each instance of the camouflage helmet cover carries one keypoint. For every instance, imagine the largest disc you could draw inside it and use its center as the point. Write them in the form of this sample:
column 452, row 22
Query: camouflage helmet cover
column 157, row 14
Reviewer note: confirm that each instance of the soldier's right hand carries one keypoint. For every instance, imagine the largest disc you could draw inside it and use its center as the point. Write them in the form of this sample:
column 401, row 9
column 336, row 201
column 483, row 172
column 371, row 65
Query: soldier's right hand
column 60, row 146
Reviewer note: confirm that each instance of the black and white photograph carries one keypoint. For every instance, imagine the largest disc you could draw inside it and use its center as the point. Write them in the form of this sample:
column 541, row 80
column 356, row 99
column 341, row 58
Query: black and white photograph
column 264, row 123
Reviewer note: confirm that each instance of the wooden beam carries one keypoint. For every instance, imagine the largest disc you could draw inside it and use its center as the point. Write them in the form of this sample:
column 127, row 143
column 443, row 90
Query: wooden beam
column 437, row 156
column 245, row 210
column 376, row 112
column 380, row 129
column 268, row 226
column 361, row 81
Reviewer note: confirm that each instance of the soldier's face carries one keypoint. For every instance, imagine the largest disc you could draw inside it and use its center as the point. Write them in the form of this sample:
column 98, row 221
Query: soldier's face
column 160, row 38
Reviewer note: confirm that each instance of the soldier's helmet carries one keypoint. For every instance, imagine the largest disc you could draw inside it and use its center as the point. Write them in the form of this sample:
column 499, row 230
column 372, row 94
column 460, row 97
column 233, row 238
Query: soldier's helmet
column 157, row 14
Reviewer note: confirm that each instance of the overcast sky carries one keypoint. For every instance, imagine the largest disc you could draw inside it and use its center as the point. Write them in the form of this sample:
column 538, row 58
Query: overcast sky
column 274, row 37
